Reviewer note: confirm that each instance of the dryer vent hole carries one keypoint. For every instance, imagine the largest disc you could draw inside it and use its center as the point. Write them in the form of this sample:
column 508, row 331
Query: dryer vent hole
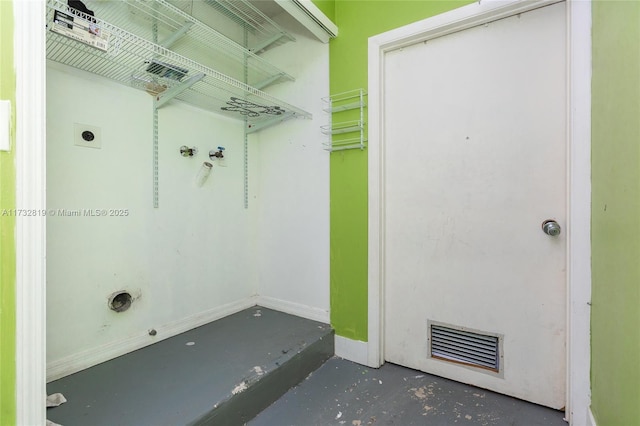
column 120, row 302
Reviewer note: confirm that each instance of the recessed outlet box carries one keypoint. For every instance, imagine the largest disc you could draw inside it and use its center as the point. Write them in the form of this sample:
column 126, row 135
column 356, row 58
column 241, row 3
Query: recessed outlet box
column 87, row 136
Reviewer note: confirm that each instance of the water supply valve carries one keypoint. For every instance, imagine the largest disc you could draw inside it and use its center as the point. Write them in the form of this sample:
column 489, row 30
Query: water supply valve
column 219, row 154
column 185, row 151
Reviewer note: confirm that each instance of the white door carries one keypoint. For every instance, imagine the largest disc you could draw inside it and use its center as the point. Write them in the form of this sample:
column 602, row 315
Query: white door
column 474, row 163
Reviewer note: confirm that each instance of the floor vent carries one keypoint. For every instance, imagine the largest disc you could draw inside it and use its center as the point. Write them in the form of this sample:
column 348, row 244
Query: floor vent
column 465, row 347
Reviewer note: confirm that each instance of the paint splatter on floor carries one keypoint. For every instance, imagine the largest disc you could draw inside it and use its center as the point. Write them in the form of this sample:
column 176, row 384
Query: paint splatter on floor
column 394, row 395
column 241, row 387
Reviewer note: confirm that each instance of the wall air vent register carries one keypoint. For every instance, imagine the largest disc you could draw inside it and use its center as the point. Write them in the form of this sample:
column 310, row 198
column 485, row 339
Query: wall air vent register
column 464, row 347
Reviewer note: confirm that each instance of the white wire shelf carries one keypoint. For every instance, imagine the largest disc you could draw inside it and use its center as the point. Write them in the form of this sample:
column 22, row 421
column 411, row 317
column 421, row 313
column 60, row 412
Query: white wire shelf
column 341, row 145
column 353, row 99
column 341, row 133
column 134, row 61
column 175, row 29
column 265, row 32
column 342, row 127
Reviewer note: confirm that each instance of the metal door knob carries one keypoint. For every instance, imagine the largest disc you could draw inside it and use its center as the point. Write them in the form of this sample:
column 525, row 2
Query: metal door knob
column 551, row 227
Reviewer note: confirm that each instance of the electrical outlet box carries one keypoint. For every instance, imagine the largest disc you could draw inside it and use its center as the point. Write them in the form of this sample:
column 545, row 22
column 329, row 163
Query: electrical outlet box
column 87, row 136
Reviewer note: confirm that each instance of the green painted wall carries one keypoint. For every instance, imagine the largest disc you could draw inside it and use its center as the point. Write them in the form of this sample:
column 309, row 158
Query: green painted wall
column 615, row 314
column 357, row 21
column 328, row 7
column 7, row 227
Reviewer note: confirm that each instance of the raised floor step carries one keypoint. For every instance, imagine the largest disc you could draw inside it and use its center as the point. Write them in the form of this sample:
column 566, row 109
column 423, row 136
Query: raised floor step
column 222, row 373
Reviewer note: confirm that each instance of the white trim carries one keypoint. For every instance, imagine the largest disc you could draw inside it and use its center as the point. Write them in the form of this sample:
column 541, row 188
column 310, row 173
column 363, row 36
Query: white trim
column 376, row 201
column 297, row 309
column 30, row 194
column 82, row 360
column 579, row 167
column 352, row 350
column 453, row 21
column 579, row 210
column 311, row 17
column 591, row 420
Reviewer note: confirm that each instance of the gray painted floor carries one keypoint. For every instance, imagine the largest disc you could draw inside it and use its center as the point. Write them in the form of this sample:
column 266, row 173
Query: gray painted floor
column 225, row 372
column 186, row 378
column 344, row 393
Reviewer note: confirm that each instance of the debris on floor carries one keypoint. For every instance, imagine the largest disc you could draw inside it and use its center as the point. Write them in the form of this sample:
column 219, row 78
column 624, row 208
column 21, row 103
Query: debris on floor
column 55, row 399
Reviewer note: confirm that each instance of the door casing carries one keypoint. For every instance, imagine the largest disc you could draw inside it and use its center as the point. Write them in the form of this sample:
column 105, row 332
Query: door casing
column 30, row 160
column 578, row 95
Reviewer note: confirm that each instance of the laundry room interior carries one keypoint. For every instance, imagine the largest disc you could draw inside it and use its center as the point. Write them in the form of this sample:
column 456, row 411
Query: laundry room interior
column 243, row 195
column 183, row 252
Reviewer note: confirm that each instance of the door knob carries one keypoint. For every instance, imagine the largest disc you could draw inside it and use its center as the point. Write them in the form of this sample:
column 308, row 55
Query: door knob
column 551, row 227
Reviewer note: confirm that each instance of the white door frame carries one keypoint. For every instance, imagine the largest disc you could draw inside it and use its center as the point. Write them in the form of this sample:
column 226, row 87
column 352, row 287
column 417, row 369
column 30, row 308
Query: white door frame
column 578, row 176
column 30, row 147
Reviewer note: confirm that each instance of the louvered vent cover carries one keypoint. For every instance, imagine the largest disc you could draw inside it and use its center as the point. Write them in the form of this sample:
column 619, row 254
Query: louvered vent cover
column 465, row 347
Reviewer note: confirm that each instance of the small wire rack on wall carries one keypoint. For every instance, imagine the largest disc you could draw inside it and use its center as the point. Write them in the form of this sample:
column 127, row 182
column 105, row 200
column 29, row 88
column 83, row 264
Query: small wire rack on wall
column 349, row 133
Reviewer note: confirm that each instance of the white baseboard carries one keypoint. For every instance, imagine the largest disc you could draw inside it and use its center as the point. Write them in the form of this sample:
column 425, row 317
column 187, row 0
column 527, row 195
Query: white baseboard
column 90, row 357
column 591, row 420
column 298, row 309
column 352, row 350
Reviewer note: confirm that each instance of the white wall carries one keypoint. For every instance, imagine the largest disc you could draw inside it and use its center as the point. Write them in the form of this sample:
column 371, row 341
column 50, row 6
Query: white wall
column 201, row 255
column 186, row 262
column 293, row 184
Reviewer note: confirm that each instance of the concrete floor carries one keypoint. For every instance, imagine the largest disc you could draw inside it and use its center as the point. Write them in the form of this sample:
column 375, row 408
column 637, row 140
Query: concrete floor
column 228, row 371
column 344, row 393
column 222, row 373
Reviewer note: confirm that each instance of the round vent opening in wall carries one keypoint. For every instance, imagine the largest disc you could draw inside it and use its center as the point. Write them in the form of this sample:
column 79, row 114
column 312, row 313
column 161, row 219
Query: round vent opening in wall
column 120, row 301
